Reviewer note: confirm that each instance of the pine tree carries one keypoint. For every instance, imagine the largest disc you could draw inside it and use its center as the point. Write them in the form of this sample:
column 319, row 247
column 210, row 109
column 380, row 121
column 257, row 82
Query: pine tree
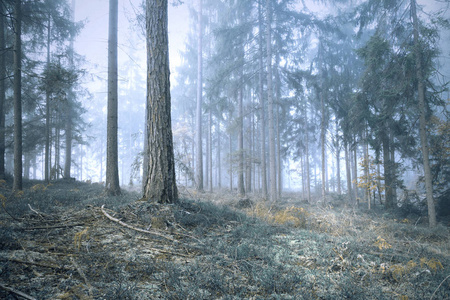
column 160, row 184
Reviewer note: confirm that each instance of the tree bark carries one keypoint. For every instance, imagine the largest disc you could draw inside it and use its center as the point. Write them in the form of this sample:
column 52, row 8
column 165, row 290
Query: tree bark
column 160, row 182
column 422, row 120
column 272, row 156
column 17, row 183
column 348, row 172
column 241, row 189
column 112, row 159
column 262, row 106
column 338, row 160
column 199, row 156
column 47, row 111
column 2, row 92
column 71, row 100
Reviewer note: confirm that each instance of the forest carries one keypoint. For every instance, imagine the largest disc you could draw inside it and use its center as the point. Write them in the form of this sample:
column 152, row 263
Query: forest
column 224, row 149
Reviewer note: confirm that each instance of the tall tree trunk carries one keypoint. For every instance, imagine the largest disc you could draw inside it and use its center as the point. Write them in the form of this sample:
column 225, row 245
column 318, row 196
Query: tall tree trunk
column 308, row 177
column 389, row 203
column 423, row 121
column 112, row 157
column 160, row 182
column 272, row 157
column 348, row 172
column 241, row 189
column 355, row 173
column 338, row 160
column 199, row 160
column 47, row 110
column 17, row 183
column 277, row 126
column 262, row 117
column 230, row 155
column 2, row 91
column 210, row 152
column 71, row 100
column 219, row 163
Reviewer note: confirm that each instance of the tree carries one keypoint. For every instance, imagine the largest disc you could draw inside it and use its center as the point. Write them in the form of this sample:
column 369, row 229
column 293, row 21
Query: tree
column 422, row 119
column 112, row 160
column 272, row 166
column 17, row 183
column 2, row 90
column 199, row 154
column 160, row 184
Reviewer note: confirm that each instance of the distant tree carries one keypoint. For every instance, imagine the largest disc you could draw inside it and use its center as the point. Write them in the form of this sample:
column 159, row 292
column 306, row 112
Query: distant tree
column 272, row 158
column 160, row 184
column 17, row 183
column 199, row 112
column 112, row 159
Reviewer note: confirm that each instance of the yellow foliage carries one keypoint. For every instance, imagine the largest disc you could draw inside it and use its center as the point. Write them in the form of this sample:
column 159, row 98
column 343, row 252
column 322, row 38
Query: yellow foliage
column 382, row 243
column 296, row 216
column 38, row 187
column 3, row 199
column 78, row 238
column 433, row 264
column 2, row 183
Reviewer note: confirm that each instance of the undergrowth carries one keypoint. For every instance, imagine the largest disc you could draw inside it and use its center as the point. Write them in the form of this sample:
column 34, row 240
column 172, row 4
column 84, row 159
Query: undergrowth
column 212, row 251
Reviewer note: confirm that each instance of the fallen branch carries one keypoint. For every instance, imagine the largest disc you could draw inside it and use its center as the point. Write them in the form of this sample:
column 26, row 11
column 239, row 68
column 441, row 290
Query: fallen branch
column 55, row 226
column 135, row 228
column 14, row 291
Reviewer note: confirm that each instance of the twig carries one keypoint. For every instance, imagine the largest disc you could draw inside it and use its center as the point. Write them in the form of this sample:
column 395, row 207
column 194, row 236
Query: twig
column 32, row 263
column 134, row 228
column 35, row 211
column 431, row 298
column 14, row 291
column 80, row 271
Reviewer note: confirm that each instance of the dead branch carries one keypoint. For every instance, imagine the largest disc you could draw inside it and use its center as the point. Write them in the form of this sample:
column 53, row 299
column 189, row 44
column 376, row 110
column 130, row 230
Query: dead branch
column 134, row 228
column 14, row 291
column 55, row 226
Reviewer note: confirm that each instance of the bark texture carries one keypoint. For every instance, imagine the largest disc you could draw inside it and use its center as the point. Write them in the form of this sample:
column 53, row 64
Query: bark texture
column 17, row 183
column 2, row 92
column 160, row 184
column 199, row 160
column 272, row 162
column 112, row 159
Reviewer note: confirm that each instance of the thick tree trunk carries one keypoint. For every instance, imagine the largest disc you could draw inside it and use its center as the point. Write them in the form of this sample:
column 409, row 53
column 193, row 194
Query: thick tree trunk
column 17, row 183
column 199, row 153
column 422, row 121
column 2, row 92
column 262, row 117
column 112, row 158
column 272, row 156
column 160, row 182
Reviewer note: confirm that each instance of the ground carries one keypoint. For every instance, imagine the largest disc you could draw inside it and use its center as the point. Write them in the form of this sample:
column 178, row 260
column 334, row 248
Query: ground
column 68, row 240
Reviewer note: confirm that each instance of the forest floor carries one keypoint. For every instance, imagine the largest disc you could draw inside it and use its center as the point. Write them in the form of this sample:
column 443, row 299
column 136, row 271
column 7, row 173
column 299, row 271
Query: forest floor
column 68, row 240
